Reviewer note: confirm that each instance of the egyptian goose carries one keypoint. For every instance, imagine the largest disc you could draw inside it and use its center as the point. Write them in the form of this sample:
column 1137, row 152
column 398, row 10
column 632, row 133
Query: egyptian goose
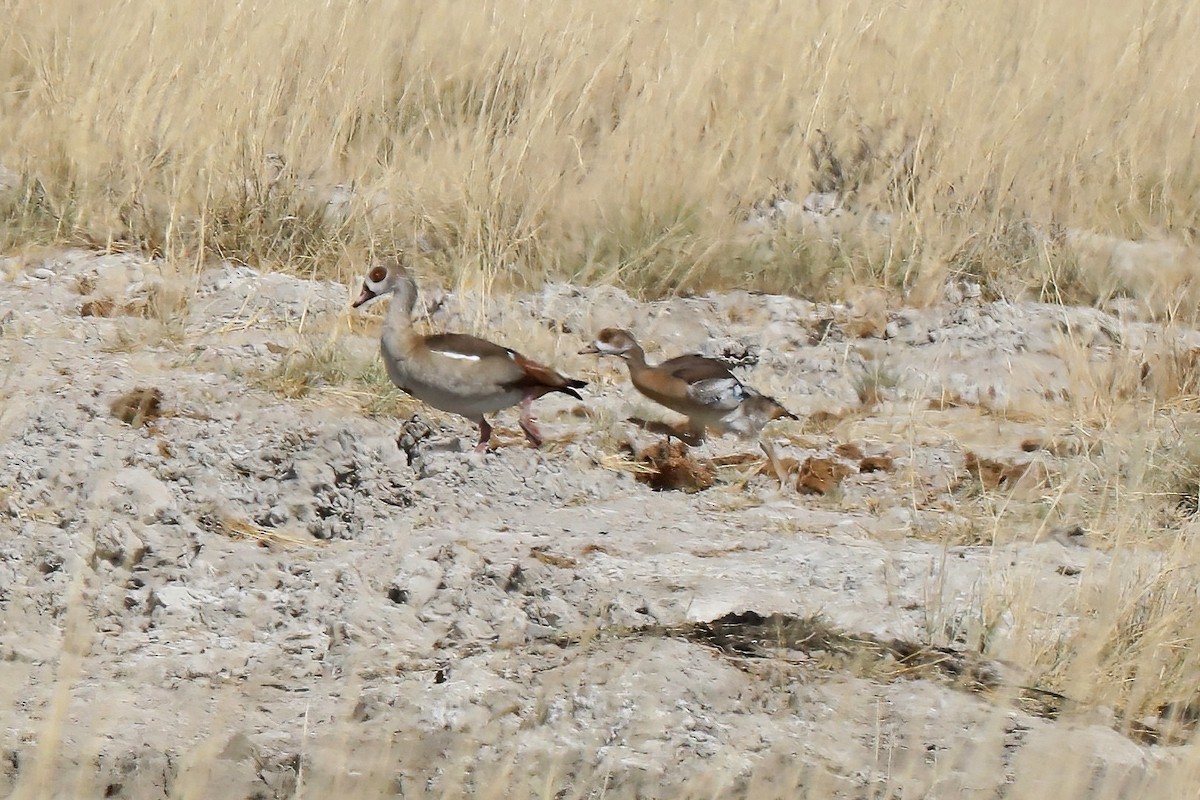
column 455, row 372
column 702, row 389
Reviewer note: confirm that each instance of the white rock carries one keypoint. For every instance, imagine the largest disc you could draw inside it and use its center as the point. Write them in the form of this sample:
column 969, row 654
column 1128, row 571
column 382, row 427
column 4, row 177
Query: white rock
column 174, row 597
column 135, row 492
column 418, row 585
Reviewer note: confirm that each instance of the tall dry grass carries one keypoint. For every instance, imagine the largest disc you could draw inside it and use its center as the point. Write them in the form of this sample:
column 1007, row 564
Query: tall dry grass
column 510, row 141
column 516, row 140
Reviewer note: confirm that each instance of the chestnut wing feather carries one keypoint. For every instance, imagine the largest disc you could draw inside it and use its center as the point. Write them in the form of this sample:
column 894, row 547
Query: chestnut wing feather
column 531, row 374
column 540, row 375
column 693, row 368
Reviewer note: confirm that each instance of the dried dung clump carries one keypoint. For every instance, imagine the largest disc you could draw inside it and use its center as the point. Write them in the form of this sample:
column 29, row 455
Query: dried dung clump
column 824, row 421
column 868, row 315
column 992, row 473
column 876, row 464
column 672, row 467
column 849, row 451
column 821, row 475
column 98, row 307
column 852, row 452
column 138, row 405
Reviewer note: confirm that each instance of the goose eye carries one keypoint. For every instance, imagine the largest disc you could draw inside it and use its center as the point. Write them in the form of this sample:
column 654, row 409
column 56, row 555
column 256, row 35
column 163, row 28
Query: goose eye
column 378, row 274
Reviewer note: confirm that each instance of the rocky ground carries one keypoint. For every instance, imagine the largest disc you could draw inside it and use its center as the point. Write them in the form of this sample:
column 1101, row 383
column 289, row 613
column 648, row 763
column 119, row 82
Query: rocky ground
column 236, row 582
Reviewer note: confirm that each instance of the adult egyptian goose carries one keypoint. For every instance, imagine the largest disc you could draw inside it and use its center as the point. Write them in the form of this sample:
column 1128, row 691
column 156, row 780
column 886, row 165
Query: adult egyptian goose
column 702, row 389
column 455, row 372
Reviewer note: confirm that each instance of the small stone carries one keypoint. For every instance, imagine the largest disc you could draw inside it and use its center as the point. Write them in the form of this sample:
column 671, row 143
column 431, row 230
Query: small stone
column 276, row 516
column 118, row 545
column 417, row 586
column 173, row 597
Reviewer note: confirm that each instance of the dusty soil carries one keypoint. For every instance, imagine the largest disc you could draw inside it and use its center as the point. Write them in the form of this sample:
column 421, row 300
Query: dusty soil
column 237, row 582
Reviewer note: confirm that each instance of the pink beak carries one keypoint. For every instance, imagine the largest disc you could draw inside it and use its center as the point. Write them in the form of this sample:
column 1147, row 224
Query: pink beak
column 366, row 295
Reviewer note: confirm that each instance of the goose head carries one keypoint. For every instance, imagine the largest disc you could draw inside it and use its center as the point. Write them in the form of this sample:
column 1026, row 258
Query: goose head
column 613, row 342
column 389, row 277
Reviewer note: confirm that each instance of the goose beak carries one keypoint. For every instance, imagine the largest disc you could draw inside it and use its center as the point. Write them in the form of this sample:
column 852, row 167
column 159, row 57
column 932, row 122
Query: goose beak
column 365, row 296
column 590, row 350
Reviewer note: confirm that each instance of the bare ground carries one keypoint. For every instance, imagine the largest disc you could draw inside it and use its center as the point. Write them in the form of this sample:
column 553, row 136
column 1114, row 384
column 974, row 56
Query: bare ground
column 248, row 588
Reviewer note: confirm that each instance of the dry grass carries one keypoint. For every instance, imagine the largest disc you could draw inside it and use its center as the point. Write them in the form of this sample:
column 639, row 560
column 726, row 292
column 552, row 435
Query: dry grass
column 236, row 527
column 508, row 142
column 1125, row 484
column 321, row 366
column 511, row 141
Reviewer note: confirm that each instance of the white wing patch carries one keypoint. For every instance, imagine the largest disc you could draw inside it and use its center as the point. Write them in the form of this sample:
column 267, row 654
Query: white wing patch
column 722, row 393
column 456, row 354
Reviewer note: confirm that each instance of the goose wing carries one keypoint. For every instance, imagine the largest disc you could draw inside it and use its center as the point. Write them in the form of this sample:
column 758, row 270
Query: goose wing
column 502, row 365
column 465, row 347
column 709, row 381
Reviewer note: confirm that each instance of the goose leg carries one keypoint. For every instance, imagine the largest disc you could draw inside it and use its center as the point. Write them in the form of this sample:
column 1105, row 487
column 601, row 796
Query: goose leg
column 527, row 423
column 690, row 433
column 768, row 447
column 485, row 436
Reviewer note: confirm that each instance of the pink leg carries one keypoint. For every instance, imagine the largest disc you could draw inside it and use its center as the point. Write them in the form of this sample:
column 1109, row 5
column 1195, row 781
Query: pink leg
column 527, row 422
column 690, row 433
column 485, row 436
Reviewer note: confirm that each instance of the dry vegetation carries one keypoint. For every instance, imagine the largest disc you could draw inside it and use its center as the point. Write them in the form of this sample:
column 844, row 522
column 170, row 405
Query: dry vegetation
column 513, row 141
column 506, row 142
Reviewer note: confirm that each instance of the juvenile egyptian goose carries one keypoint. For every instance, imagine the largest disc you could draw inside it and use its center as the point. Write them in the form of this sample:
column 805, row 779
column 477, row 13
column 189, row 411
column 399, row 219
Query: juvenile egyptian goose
column 455, row 372
column 702, row 389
